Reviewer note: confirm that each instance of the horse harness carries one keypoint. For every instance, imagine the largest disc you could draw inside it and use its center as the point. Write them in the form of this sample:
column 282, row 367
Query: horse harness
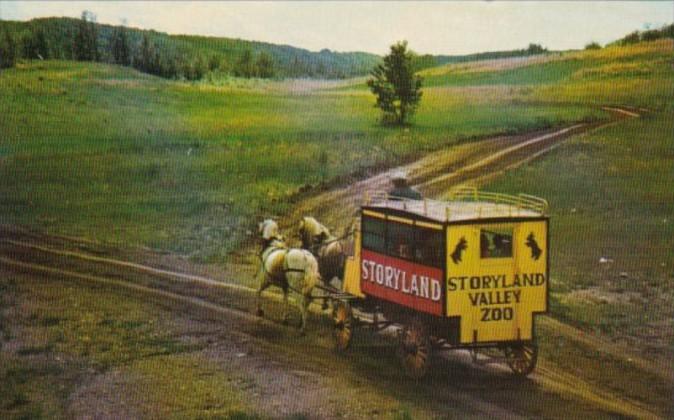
column 268, row 246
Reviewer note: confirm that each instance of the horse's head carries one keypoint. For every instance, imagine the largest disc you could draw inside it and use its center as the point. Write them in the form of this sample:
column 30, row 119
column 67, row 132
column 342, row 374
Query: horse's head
column 312, row 232
column 268, row 229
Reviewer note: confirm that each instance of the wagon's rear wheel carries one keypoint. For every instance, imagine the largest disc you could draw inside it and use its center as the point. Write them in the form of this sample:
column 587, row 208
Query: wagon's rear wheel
column 522, row 358
column 342, row 318
column 415, row 349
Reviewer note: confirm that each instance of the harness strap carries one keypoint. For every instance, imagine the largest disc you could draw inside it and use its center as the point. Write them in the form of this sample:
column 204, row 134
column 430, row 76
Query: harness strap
column 316, row 247
column 287, row 269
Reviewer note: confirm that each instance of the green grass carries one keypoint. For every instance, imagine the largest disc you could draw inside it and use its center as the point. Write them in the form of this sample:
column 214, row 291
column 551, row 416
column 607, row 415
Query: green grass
column 610, row 196
column 104, row 152
column 66, row 329
column 107, row 329
column 108, row 153
column 550, row 72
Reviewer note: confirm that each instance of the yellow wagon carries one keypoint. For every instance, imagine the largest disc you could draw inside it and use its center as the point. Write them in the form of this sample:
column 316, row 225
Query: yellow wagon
column 467, row 273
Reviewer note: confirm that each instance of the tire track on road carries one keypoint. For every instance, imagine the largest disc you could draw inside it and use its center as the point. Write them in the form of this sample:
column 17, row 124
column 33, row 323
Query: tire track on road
column 550, row 379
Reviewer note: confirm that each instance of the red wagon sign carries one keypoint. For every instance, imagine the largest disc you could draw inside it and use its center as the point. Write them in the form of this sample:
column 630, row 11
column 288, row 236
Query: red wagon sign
column 404, row 282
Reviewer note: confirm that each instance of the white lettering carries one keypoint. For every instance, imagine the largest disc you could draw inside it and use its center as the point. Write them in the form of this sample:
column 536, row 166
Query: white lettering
column 396, row 279
column 414, row 288
column 389, row 276
column 435, row 290
column 405, row 288
column 372, row 264
column 379, row 274
column 364, row 270
column 423, row 287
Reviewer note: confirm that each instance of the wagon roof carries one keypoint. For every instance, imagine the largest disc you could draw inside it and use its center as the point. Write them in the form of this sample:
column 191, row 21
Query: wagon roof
column 464, row 204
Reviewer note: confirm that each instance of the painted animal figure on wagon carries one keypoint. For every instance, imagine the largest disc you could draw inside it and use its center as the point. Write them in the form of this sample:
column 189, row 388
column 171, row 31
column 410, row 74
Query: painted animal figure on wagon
column 287, row 268
column 330, row 250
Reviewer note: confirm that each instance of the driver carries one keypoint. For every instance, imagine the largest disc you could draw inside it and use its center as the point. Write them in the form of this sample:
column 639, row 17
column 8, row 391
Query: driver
column 401, row 188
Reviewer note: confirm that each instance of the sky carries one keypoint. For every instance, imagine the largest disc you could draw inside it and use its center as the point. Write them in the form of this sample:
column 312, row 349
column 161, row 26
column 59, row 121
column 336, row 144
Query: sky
column 432, row 27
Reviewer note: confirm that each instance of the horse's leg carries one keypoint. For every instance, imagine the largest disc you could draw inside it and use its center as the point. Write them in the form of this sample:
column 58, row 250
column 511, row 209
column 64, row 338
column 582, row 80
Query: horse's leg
column 325, row 293
column 306, row 300
column 265, row 283
column 286, row 306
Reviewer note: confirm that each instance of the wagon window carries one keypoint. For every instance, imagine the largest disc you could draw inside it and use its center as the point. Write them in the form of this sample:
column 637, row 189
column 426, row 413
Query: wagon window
column 400, row 241
column 429, row 248
column 496, row 243
column 374, row 234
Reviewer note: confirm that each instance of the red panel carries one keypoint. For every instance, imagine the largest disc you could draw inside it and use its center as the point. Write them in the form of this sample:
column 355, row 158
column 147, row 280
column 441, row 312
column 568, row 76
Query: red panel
column 406, row 283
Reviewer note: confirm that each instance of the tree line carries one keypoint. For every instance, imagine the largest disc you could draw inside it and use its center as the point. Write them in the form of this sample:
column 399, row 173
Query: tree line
column 666, row 31
column 179, row 56
column 146, row 55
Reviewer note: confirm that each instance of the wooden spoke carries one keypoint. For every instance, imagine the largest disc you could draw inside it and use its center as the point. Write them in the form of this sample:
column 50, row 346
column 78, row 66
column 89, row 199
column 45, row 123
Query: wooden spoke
column 342, row 318
column 522, row 358
column 415, row 349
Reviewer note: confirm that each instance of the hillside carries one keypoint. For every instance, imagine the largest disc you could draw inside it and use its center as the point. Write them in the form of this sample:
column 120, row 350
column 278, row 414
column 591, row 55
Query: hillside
column 220, row 53
column 289, row 61
column 217, row 158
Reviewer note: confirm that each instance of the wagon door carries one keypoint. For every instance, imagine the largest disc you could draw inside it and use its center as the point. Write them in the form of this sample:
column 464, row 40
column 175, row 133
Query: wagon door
column 493, row 284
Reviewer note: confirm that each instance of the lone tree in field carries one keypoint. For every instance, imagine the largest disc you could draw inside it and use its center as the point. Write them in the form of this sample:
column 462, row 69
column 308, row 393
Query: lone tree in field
column 397, row 88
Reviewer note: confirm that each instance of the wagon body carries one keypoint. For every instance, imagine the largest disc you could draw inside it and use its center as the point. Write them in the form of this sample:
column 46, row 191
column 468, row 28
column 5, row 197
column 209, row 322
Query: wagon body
column 473, row 269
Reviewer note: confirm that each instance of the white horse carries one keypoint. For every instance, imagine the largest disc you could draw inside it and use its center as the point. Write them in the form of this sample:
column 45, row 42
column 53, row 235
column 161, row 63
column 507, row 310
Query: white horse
column 288, row 268
column 330, row 251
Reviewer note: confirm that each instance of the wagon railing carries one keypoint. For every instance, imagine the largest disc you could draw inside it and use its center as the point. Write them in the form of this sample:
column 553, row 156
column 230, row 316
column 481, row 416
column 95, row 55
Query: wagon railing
column 523, row 201
column 487, row 203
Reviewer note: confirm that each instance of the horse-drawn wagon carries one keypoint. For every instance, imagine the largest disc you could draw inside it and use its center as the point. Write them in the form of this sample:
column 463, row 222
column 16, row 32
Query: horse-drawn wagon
column 467, row 273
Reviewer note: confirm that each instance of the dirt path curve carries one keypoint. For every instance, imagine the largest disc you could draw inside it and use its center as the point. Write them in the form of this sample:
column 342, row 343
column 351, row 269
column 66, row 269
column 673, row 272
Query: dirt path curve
column 454, row 388
column 473, row 162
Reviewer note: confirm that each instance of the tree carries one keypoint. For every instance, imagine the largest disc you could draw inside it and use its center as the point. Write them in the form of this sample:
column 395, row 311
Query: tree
column 244, row 66
column 146, row 55
column 536, row 49
column 86, row 38
column 593, row 46
column 120, row 47
column 631, row 38
column 7, row 51
column 265, row 66
column 651, row 35
column 213, row 63
column 35, row 45
column 199, row 67
column 397, row 87
column 668, row 31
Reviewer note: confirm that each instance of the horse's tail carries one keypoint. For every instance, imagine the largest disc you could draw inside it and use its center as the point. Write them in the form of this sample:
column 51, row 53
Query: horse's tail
column 312, row 275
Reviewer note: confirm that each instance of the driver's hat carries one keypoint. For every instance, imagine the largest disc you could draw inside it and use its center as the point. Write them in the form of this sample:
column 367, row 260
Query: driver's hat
column 399, row 175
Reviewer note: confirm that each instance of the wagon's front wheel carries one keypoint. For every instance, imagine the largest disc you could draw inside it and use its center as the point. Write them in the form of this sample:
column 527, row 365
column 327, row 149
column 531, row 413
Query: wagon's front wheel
column 522, row 358
column 342, row 319
column 415, row 349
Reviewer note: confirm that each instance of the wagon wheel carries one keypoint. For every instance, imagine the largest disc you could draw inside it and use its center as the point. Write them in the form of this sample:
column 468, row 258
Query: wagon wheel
column 521, row 357
column 415, row 349
column 342, row 318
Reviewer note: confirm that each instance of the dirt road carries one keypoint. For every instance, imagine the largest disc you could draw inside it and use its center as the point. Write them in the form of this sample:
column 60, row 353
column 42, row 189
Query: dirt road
column 468, row 163
column 283, row 374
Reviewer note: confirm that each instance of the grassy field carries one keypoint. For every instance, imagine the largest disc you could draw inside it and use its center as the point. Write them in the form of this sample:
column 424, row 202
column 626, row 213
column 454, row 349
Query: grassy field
column 637, row 75
column 111, row 154
column 67, row 333
column 611, row 210
column 108, row 153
